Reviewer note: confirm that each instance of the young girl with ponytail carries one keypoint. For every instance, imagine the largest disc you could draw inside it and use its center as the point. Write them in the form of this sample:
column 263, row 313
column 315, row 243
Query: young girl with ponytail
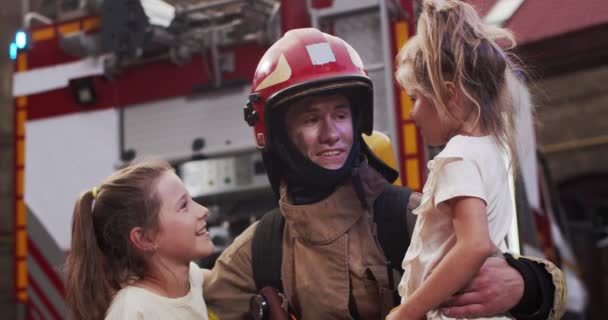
column 134, row 238
column 460, row 81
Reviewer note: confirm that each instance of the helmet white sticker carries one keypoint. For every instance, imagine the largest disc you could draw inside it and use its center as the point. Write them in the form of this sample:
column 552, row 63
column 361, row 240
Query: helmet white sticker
column 320, row 53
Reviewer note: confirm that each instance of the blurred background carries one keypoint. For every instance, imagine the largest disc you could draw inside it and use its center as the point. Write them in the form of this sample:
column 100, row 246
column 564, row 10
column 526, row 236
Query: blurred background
column 87, row 86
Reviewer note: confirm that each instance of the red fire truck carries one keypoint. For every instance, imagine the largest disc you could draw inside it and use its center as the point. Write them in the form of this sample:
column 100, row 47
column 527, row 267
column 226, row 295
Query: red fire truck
column 107, row 82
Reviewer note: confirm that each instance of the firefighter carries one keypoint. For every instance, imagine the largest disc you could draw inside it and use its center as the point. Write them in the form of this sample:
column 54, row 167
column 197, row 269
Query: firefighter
column 311, row 101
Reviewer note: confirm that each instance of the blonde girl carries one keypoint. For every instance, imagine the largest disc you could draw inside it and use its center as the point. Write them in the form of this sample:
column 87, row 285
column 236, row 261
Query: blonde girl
column 134, row 238
column 459, row 80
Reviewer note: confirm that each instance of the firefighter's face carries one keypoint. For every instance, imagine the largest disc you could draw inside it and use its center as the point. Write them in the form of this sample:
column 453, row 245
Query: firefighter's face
column 182, row 234
column 322, row 129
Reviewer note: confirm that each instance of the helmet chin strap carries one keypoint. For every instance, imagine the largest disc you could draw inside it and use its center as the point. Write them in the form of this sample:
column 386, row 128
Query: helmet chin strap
column 315, row 183
column 307, row 181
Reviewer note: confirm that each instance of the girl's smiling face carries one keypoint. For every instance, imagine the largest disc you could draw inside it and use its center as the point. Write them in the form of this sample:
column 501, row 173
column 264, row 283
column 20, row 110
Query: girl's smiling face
column 182, row 228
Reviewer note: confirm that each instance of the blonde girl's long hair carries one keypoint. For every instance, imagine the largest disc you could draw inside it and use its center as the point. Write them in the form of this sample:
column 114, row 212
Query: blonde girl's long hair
column 453, row 44
column 101, row 257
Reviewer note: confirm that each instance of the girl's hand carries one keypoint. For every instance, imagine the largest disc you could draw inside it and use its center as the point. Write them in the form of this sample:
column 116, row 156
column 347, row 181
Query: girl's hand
column 399, row 314
column 392, row 315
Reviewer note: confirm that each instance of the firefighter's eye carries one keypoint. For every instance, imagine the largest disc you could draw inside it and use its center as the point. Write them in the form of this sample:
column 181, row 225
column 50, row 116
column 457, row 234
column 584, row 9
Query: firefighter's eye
column 309, row 119
column 343, row 115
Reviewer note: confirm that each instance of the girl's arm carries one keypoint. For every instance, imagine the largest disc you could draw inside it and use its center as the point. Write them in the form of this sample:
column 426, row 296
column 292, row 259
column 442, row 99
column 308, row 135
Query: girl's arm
column 460, row 264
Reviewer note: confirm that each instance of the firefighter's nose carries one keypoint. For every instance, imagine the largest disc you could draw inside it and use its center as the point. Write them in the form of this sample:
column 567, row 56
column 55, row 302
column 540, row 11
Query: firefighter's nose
column 329, row 131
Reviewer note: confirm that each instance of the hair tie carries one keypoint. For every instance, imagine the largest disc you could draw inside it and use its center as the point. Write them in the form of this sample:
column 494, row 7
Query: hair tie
column 94, row 192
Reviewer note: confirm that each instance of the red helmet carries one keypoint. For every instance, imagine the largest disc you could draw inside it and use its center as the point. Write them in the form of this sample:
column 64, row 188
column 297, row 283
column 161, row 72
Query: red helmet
column 304, row 62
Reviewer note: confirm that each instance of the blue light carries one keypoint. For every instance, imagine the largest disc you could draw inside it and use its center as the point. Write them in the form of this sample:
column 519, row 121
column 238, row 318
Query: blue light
column 13, row 51
column 21, row 39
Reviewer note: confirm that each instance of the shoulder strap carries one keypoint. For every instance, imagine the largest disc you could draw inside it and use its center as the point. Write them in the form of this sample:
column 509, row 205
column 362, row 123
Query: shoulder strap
column 394, row 226
column 267, row 250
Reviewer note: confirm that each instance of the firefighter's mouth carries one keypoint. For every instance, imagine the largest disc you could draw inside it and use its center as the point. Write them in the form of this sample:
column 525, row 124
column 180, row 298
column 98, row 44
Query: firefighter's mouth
column 330, row 153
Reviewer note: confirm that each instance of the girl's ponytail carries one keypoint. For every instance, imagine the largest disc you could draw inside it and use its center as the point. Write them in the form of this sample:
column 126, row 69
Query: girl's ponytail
column 519, row 107
column 88, row 293
column 102, row 258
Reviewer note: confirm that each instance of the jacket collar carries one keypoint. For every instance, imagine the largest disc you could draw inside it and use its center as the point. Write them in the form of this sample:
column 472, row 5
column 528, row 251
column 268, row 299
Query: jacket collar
column 326, row 220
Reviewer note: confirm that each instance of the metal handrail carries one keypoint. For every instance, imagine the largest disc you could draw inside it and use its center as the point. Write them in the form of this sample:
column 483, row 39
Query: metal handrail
column 30, row 16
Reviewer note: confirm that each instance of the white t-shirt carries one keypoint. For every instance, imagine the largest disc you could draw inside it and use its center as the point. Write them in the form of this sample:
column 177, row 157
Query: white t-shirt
column 140, row 304
column 470, row 167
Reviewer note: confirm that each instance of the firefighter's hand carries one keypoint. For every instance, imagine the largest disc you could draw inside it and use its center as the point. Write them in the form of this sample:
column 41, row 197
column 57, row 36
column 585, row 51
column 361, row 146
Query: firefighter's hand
column 495, row 289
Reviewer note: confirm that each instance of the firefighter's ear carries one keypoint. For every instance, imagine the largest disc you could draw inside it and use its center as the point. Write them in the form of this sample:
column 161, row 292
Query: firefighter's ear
column 142, row 240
